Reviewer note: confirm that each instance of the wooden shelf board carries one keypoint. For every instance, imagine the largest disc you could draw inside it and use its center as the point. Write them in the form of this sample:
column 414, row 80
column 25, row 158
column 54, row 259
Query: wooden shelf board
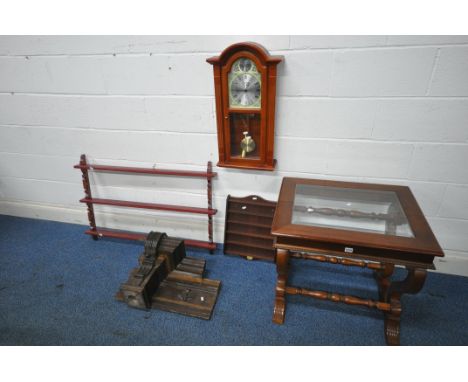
column 250, row 254
column 151, row 171
column 150, row 206
column 260, row 225
column 250, row 234
column 142, row 237
column 249, row 213
column 249, row 245
column 257, row 202
column 239, row 164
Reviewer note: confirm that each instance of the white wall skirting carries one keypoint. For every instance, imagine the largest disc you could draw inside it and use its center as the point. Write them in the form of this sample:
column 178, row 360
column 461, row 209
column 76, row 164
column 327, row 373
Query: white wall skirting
column 183, row 226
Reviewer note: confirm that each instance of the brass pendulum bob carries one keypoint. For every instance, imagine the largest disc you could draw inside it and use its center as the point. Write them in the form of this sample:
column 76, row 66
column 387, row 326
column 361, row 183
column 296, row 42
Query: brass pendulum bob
column 247, row 144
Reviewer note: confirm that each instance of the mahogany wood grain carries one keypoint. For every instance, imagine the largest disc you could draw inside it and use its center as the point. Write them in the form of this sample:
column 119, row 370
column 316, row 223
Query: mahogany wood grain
column 264, row 138
column 151, row 171
column 282, row 268
column 336, row 297
column 89, row 200
column 247, row 227
column 87, row 190
column 412, row 284
column 141, row 237
column 150, row 206
column 209, row 194
column 423, row 246
column 338, row 260
column 380, row 252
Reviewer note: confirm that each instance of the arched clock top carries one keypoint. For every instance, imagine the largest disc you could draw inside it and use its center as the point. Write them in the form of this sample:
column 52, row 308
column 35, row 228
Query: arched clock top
column 256, row 49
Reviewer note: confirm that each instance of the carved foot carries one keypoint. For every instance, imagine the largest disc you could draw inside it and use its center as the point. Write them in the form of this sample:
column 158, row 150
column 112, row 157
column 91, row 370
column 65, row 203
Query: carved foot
column 412, row 284
column 279, row 310
column 392, row 331
column 282, row 265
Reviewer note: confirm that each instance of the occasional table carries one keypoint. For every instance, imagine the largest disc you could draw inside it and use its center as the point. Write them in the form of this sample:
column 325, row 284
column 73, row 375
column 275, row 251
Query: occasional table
column 372, row 226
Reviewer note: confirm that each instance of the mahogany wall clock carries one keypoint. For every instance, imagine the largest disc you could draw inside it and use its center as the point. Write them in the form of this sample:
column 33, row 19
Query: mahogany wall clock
column 245, row 91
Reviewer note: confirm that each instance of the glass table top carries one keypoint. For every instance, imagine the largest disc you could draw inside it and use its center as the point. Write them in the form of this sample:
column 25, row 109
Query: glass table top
column 372, row 211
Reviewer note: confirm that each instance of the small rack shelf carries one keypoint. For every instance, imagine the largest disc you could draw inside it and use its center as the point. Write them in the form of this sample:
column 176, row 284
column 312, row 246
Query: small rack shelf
column 96, row 232
column 248, row 227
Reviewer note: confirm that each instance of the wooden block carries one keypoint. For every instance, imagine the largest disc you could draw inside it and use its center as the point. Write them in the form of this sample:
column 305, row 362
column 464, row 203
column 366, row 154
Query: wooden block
column 185, row 294
column 193, row 266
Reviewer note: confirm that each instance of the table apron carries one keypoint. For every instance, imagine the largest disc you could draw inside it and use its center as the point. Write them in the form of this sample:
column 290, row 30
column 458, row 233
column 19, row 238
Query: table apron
column 380, row 255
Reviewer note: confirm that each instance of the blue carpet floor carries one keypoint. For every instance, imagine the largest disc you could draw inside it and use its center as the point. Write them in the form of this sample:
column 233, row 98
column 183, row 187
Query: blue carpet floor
column 57, row 287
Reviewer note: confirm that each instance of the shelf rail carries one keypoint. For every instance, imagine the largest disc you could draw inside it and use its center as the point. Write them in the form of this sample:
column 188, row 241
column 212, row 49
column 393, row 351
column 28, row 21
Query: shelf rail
column 97, row 232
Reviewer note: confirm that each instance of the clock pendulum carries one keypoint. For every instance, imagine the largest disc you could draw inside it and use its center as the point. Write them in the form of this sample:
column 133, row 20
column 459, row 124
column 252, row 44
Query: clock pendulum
column 247, row 144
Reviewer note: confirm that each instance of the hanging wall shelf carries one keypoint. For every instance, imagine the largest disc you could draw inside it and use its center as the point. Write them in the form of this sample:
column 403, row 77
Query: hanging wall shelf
column 96, row 232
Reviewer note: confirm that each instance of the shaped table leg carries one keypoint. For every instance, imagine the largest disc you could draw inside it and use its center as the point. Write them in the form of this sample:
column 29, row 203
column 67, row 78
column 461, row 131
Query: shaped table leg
column 412, row 284
column 383, row 279
column 282, row 268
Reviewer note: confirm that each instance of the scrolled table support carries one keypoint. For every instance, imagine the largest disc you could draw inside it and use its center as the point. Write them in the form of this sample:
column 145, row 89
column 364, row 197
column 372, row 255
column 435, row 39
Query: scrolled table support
column 382, row 277
column 282, row 268
column 412, row 284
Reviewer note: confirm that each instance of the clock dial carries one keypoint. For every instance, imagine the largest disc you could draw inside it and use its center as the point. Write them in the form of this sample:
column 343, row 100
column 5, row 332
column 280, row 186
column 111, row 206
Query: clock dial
column 245, row 90
column 244, row 85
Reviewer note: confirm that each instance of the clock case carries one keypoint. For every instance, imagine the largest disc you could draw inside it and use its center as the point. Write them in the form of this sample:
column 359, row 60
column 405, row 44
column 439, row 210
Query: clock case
column 261, row 120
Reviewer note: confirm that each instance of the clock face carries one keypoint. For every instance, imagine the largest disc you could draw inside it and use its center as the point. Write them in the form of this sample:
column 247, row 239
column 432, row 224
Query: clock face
column 244, row 85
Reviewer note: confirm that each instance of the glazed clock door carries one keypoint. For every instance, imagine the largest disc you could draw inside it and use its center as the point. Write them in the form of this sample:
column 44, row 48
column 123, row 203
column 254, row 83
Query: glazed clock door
column 244, row 125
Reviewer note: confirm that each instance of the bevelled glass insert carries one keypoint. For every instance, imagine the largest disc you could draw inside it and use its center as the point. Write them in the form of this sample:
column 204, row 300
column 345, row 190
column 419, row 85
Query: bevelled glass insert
column 371, row 211
column 244, row 85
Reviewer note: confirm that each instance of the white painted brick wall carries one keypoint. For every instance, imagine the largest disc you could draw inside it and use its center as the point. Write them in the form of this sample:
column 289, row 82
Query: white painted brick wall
column 448, row 81
column 382, row 72
column 382, row 109
column 455, row 203
column 295, row 77
column 420, row 119
column 109, row 112
column 307, row 117
column 73, row 45
column 440, row 162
